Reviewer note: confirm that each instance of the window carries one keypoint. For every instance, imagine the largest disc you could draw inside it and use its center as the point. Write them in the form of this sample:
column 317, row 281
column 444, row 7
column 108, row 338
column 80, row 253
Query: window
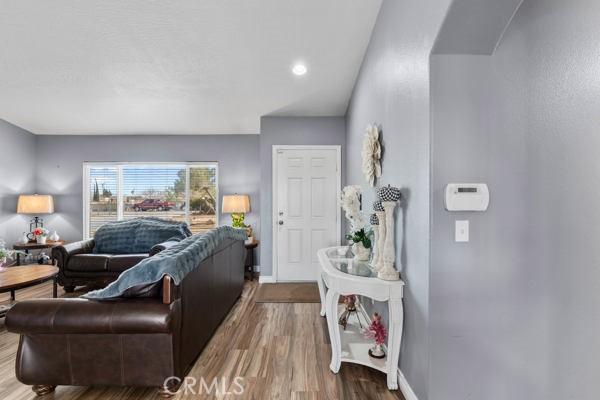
column 182, row 192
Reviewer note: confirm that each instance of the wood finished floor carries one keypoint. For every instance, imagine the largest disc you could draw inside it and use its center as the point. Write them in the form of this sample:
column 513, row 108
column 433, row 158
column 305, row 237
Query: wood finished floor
column 280, row 350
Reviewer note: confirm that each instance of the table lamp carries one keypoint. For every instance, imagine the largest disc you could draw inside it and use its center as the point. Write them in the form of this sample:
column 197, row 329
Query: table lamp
column 35, row 204
column 236, row 205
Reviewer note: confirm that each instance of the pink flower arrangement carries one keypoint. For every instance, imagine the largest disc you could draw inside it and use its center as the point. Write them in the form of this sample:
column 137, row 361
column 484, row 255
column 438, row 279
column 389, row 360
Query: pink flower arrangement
column 376, row 331
column 40, row 232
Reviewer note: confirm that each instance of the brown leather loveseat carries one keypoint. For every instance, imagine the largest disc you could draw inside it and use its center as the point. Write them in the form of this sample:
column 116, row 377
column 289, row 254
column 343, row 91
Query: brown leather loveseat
column 79, row 265
column 127, row 341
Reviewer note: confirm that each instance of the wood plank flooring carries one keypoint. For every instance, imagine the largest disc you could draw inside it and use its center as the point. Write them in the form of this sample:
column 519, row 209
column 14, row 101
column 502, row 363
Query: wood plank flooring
column 281, row 351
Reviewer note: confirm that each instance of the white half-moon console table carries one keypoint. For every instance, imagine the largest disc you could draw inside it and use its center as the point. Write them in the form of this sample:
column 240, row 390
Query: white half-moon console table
column 342, row 276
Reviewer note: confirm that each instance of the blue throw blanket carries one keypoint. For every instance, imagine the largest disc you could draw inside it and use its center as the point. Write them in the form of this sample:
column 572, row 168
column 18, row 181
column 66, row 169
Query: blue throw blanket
column 176, row 261
column 137, row 235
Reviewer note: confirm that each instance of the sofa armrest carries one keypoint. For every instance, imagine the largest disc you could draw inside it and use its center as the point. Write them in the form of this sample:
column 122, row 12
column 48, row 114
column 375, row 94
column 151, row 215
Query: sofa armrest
column 80, row 316
column 62, row 253
column 157, row 248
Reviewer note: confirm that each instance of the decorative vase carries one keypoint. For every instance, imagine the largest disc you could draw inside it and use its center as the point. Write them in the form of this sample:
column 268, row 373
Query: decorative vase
column 388, row 272
column 41, row 239
column 54, row 237
column 389, row 196
column 375, row 224
column 381, row 241
column 361, row 253
column 380, row 214
column 24, row 239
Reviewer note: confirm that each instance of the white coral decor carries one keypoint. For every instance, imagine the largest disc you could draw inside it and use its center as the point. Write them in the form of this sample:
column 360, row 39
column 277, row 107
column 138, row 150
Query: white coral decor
column 350, row 202
column 371, row 154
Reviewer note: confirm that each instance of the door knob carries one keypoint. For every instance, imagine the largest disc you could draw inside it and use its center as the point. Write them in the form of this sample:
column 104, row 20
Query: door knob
column 280, row 222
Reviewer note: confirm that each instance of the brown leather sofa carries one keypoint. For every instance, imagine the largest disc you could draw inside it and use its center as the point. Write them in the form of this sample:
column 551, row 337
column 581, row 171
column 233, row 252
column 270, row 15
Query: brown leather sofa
column 78, row 265
column 128, row 341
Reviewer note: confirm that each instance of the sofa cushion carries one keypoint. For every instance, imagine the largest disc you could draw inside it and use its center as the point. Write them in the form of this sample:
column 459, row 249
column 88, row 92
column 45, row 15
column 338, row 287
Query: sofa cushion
column 137, row 235
column 88, row 262
column 122, row 262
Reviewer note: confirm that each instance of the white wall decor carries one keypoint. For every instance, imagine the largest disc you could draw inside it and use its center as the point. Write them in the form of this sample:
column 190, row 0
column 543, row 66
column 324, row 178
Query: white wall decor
column 371, row 154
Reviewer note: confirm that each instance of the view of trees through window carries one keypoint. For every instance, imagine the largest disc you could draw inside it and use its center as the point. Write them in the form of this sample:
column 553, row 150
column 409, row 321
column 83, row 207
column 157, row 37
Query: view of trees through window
column 182, row 192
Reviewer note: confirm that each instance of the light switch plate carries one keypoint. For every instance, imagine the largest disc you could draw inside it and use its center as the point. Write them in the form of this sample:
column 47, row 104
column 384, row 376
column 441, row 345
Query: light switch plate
column 461, row 231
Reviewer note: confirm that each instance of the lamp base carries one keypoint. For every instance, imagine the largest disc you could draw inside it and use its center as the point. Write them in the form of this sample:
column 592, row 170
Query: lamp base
column 36, row 222
column 237, row 220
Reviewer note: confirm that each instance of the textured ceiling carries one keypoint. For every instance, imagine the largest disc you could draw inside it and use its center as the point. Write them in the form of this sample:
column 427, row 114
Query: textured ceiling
column 176, row 67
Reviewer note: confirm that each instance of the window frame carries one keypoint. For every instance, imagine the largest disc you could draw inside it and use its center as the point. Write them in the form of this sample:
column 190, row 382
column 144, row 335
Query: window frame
column 119, row 165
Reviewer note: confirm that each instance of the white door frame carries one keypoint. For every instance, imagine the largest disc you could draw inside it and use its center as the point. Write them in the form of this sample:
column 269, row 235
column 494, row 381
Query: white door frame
column 275, row 216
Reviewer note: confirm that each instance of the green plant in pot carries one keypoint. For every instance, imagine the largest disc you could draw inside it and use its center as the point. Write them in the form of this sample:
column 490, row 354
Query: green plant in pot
column 361, row 247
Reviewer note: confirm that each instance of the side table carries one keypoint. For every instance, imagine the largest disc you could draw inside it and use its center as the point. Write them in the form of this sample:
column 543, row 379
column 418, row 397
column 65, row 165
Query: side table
column 342, row 276
column 250, row 245
column 27, row 247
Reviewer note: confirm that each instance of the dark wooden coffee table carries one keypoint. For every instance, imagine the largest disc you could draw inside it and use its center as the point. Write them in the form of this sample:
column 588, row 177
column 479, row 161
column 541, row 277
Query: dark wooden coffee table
column 15, row 278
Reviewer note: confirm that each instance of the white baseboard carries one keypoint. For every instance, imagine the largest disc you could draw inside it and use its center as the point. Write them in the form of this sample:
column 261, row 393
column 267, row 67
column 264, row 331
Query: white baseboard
column 405, row 387
column 265, row 279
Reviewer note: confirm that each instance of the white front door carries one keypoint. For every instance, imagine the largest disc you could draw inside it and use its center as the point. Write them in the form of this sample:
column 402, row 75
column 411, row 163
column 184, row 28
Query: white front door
column 306, row 209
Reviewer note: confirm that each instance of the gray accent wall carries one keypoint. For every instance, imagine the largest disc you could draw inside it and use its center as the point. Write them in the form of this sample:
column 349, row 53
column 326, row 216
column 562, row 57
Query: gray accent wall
column 514, row 312
column 289, row 131
column 17, row 172
column 474, row 26
column 60, row 168
column 392, row 90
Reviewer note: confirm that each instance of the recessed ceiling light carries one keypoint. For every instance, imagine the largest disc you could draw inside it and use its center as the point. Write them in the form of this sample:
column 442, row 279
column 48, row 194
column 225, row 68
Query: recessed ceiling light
column 299, row 69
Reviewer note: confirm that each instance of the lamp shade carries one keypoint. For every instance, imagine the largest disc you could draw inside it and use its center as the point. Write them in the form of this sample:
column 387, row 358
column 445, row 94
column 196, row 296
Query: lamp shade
column 236, row 203
column 35, row 204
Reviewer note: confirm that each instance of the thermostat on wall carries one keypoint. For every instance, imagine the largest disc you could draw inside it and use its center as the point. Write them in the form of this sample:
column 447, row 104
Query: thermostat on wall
column 467, row 197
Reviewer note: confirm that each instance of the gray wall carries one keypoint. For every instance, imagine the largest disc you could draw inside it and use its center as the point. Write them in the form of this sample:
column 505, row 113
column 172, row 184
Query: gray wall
column 17, row 171
column 393, row 90
column 60, row 171
column 474, row 26
column 289, row 131
column 514, row 312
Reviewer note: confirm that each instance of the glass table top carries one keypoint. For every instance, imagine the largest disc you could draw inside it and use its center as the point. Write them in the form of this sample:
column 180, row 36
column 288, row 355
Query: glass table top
column 342, row 259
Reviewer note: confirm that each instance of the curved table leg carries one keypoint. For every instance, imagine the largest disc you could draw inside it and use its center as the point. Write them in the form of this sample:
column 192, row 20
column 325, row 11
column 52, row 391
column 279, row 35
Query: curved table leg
column 396, row 312
column 322, row 294
column 331, row 304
